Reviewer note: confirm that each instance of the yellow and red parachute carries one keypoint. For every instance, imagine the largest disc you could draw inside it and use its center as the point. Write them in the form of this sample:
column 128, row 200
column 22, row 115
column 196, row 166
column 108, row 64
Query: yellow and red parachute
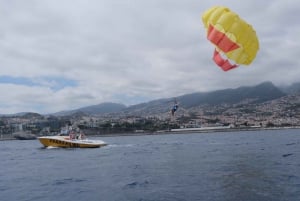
column 232, row 37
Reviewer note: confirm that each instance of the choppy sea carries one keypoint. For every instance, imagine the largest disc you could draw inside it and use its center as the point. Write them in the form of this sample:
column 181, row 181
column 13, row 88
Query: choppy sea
column 223, row 166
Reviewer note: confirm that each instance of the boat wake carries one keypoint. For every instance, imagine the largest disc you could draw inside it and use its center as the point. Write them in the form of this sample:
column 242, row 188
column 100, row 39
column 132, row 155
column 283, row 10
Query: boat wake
column 51, row 147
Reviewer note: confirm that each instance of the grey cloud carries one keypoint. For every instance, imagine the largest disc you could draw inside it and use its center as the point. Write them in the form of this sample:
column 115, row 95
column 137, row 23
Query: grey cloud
column 145, row 49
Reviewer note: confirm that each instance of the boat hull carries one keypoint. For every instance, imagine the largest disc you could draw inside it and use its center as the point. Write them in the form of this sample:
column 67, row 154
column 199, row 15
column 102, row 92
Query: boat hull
column 65, row 142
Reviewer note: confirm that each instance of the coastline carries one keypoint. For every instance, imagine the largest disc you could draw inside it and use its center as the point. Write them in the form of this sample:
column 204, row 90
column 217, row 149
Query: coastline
column 17, row 136
column 192, row 130
column 3, row 137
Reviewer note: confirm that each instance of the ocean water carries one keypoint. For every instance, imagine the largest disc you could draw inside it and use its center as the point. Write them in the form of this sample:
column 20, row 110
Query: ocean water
column 224, row 166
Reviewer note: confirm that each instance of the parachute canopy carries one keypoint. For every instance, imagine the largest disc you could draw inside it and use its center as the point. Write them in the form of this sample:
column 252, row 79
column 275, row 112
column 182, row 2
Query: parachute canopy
column 232, row 37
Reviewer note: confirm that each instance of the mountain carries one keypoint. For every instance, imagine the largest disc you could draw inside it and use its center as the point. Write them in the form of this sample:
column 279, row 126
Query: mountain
column 31, row 115
column 263, row 92
column 250, row 94
column 25, row 115
column 101, row 108
column 256, row 94
column 150, row 108
column 291, row 89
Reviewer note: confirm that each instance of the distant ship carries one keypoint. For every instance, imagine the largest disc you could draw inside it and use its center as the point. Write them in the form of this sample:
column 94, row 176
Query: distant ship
column 22, row 135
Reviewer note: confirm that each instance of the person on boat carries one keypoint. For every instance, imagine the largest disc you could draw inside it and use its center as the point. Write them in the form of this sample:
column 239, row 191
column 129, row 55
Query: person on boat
column 81, row 136
column 72, row 135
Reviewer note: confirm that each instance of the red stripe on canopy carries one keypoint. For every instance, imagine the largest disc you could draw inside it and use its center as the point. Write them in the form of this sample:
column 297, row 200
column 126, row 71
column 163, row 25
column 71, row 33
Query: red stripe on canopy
column 223, row 63
column 221, row 40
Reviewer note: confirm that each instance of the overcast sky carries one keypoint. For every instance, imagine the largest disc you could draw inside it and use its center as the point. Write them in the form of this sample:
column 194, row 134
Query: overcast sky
column 64, row 54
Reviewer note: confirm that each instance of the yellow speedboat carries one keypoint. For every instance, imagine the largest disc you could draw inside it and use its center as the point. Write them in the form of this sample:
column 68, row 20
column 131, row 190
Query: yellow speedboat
column 67, row 142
